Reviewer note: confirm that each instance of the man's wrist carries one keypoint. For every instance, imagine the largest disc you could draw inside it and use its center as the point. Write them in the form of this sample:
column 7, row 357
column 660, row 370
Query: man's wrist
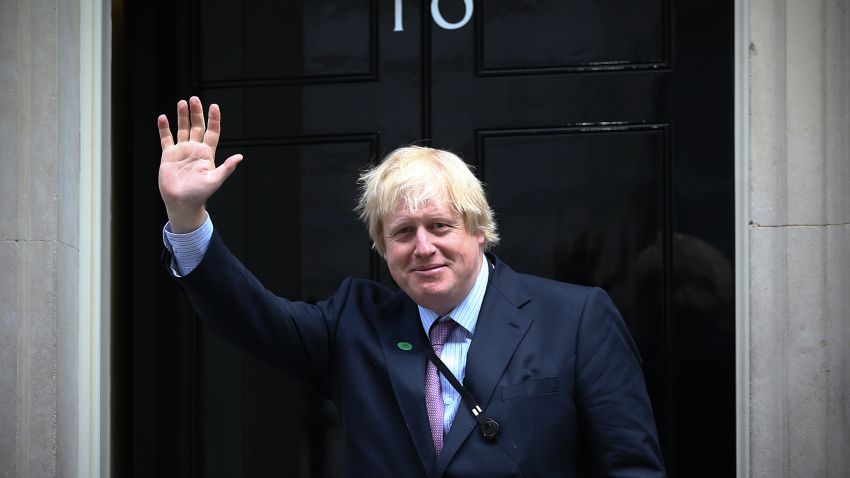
column 183, row 222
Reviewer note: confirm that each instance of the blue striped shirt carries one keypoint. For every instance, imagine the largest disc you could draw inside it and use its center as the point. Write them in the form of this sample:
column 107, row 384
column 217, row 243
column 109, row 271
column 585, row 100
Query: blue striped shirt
column 458, row 342
column 188, row 250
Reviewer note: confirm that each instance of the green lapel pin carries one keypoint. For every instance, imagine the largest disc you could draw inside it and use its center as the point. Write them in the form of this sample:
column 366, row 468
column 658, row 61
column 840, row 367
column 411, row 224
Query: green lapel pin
column 405, row 346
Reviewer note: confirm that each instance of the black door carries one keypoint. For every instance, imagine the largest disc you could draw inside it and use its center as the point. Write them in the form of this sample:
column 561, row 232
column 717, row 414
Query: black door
column 602, row 128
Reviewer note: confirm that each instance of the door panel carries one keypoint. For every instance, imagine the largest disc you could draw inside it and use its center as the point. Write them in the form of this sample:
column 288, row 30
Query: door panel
column 548, row 36
column 278, row 218
column 590, row 200
column 273, row 42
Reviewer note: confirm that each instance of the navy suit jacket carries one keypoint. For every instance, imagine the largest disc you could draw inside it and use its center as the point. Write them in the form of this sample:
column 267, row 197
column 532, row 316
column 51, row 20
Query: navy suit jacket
column 553, row 363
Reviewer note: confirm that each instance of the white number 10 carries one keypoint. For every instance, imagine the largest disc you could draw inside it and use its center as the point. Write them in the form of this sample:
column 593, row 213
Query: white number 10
column 436, row 15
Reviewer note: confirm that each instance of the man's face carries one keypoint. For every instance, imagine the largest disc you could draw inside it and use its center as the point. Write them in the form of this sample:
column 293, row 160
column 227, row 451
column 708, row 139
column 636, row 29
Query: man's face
column 431, row 256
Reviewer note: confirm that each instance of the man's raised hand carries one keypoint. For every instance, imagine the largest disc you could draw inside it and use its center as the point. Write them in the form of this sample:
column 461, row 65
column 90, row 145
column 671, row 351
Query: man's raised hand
column 187, row 172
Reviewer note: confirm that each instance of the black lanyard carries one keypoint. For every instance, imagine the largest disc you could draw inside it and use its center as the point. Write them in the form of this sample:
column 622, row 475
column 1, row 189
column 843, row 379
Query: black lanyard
column 488, row 427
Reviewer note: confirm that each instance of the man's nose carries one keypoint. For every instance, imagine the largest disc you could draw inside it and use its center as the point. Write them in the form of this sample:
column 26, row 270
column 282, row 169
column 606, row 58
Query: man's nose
column 424, row 246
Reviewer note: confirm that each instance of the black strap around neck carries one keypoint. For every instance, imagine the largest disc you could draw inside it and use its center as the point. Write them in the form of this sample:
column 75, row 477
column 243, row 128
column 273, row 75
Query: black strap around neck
column 488, row 427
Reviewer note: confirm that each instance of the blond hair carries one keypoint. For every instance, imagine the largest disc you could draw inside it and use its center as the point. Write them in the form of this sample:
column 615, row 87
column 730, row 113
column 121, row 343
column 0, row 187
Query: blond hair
column 416, row 176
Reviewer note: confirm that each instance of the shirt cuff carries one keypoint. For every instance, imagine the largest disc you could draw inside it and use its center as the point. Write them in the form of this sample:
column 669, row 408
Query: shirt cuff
column 187, row 250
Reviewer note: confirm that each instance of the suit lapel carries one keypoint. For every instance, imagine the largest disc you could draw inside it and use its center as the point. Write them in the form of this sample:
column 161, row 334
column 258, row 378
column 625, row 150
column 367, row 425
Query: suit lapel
column 501, row 326
column 406, row 370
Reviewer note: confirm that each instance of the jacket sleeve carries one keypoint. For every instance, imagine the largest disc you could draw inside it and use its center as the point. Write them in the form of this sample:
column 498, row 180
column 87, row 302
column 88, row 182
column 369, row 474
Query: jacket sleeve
column 613, row 404
column 294, row 336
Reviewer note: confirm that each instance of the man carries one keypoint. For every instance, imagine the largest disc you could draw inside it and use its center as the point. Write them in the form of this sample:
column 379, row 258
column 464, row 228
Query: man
column 551, row 363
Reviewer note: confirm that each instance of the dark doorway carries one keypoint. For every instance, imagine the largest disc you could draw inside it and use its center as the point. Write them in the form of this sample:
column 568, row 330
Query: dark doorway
column 604, row 130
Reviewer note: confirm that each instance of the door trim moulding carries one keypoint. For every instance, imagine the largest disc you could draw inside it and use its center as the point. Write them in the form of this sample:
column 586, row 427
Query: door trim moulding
column 742, row 252
column 93, row 358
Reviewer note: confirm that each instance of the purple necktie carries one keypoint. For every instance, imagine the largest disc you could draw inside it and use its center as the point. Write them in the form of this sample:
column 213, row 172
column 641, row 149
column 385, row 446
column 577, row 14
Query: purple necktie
column 433, row 395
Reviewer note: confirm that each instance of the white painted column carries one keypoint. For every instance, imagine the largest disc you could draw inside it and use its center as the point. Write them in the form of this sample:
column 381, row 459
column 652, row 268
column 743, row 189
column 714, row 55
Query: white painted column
column 794, row 237
column 94, row 216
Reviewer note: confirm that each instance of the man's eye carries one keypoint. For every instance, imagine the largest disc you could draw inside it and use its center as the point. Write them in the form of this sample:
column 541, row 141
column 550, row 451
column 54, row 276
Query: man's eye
column 441, row 226
column 402, row 230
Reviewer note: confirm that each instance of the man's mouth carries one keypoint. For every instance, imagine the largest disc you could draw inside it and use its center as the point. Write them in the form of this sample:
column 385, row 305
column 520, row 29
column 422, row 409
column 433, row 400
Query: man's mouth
column 428, row 268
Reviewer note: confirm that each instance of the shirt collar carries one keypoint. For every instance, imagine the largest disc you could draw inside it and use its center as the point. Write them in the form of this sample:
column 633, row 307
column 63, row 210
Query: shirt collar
column 466, row 313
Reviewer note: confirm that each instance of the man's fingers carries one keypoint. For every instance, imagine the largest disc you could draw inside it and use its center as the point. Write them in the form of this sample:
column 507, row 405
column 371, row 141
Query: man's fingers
column 226, row 169
column 165, row 138
column 196, row 113
column 214, row 128
column 182, row 121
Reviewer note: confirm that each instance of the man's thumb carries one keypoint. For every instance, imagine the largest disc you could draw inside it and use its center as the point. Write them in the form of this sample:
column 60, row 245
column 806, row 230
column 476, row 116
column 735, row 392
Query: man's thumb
column 227, row 167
